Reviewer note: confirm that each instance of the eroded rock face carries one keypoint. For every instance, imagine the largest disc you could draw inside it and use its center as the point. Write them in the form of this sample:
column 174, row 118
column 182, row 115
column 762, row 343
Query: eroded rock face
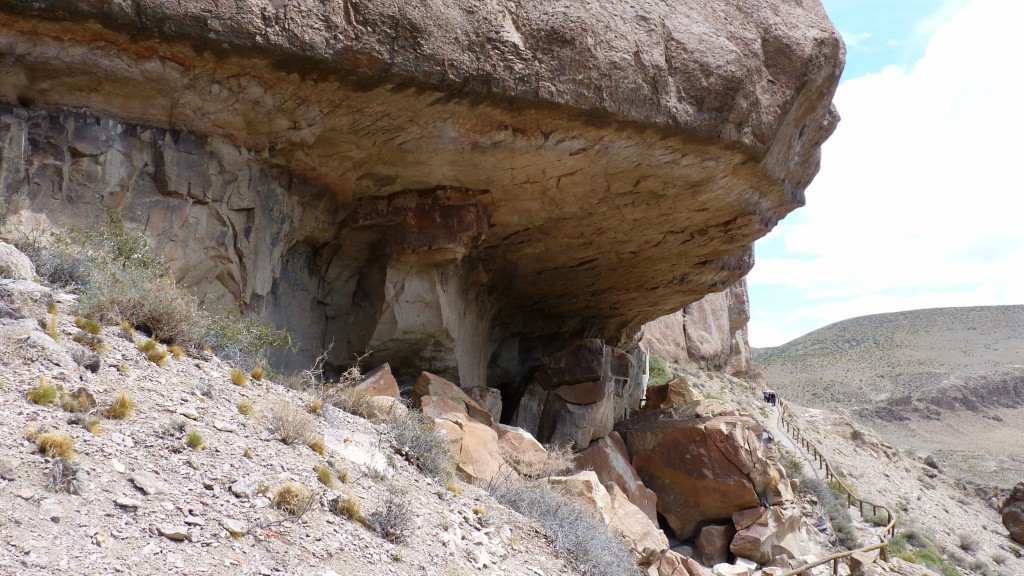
column 609, row 459
column 711, row 332
column 427, row 180
column 704, row 469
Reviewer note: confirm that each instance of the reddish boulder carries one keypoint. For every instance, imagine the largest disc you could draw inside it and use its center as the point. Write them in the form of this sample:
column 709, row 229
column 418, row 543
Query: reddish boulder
column 1013, row 513
column 713, row 544
column 379, row 382
column 609, row 459
column 703, row 469
column 436, row 387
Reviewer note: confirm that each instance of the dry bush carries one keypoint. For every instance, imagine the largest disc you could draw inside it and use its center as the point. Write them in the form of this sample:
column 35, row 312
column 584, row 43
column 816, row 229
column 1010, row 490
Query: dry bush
column 293, row 498
column 121, row 407
column 291, row 424
column 587, row 543
column 422, row 445
column 44, row 392
column 239, row 377
column 560, row 460
column 393, row 521
column 969, row 542
column 64, row 476
column 56, row 445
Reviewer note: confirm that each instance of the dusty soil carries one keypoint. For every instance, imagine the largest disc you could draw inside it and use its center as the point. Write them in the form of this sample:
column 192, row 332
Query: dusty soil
column 113, row 525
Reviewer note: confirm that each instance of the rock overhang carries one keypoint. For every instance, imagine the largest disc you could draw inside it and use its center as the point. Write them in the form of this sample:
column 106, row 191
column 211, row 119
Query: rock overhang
column 612, row 161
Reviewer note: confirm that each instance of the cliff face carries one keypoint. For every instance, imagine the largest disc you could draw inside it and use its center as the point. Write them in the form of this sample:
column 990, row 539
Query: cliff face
column 711, row 332
column 455, row 187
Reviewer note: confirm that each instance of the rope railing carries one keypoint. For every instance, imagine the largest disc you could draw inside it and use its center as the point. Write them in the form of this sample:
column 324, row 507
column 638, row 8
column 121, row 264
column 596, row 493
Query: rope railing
column 851, row 500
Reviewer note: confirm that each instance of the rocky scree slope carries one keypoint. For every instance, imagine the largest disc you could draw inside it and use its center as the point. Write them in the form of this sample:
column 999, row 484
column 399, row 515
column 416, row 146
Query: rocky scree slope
column 947, row 381
column 146, row 502
column 461, row 188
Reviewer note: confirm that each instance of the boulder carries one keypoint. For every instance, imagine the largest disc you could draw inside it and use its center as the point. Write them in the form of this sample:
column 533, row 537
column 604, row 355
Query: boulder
column 14, row 264
column 677, row 392
column 488, row 398
column 609, row 459
column 675, row 564
column 713, row 544
column 775, row 533
column 475, row 447
column 641, row 534
column 441, row 390
column 614, row 509
column 576, row 425
column 378, row 408
column 521, row 450
column 585, row 488
column 703, row 469
column 731, row 570
column 1012, row 511
column 379, row 382
column 580, row 363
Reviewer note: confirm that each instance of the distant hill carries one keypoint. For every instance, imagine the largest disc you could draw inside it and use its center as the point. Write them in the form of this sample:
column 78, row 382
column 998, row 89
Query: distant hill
column 936, row 379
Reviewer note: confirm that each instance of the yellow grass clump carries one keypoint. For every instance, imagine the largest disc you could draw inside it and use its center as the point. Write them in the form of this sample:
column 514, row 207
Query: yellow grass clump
column 293, row 498
column 121, row 407
column 44, row 392
column 56, row 445
column 239, row 377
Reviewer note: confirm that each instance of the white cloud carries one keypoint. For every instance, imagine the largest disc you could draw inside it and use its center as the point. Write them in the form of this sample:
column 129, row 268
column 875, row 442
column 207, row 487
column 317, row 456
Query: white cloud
column 920, row 190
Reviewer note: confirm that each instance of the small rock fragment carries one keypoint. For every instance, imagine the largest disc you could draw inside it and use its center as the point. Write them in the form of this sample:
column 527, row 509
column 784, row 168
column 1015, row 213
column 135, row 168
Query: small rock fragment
column 148, row 483
column 224, row 426
column 52, row 510
column 117, row 466
column 125, row 502
column 243, row 488
column 188, row 413
column 234, row 527
column 176, row 533
column 102, row 540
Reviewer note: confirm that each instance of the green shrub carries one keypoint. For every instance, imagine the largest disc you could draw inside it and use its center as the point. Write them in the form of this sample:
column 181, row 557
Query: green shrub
column 660, row 373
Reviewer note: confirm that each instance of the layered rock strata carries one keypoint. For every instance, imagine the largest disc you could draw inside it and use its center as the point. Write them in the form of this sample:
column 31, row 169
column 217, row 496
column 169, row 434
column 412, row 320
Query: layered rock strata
column 433, row 181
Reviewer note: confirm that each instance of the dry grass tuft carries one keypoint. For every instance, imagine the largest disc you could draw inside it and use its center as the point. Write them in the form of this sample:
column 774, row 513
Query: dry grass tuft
column 453, row 487
column 88, row 325
column 80, row 400
column 348, row 505
column 248, row 454
column 239, row 377
column 291, row 424
column 293, row 498
column 121, row 407
column 177, row 351
column 194, row 440
column 479, row 510
column 246, row 407
column 90, row 341
column 44, row 392
column 94, row 424
column 56, row 445
column 326, row 476
column 315, row 406
column 258, row 373
column 317, row 445
column 153, row 350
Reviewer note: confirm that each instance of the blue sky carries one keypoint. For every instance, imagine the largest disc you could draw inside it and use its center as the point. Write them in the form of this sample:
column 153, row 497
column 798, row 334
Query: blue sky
column 920, row 199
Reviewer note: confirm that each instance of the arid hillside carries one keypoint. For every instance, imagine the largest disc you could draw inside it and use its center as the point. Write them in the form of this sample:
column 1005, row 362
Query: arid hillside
column 947, row 381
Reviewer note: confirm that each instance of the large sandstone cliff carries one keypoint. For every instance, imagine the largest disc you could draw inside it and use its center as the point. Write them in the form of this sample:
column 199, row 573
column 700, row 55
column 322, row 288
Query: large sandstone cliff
column 458, row 186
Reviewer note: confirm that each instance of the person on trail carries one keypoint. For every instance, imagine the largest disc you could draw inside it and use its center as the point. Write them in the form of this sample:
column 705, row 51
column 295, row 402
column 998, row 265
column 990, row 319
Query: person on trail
column 771, row 396
column 765, row 394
